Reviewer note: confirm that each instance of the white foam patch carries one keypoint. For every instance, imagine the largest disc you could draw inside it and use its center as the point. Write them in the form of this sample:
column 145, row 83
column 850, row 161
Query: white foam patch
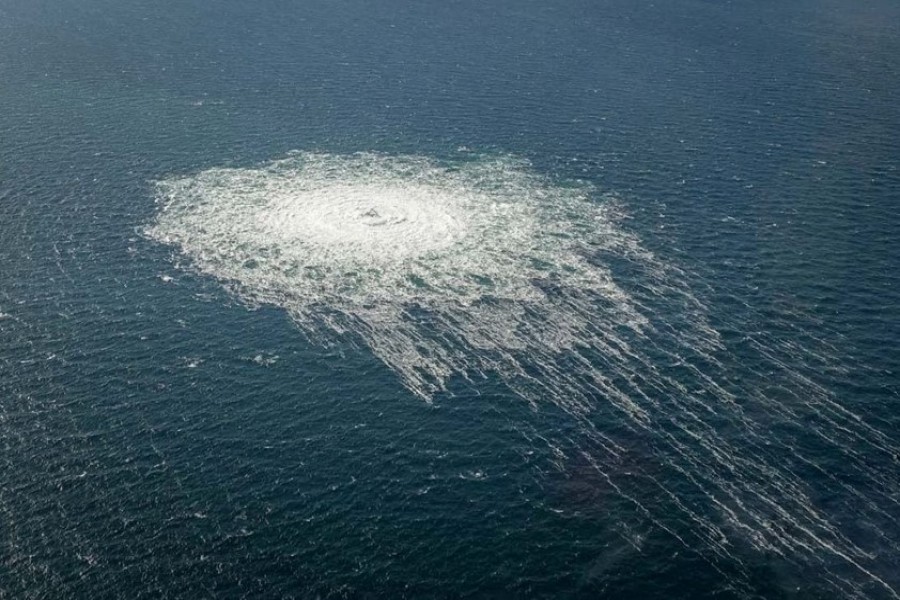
column 483, row 268
column 355, row 243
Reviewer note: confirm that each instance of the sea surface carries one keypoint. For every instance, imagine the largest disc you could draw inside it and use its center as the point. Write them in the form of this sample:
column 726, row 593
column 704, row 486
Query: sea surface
column 628, row 325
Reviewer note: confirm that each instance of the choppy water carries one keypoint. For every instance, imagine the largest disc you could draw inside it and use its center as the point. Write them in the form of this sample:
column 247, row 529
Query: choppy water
column 404, row 300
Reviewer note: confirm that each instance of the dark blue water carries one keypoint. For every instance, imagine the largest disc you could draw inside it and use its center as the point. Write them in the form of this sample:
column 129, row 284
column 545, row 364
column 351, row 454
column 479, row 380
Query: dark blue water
column 161, row 439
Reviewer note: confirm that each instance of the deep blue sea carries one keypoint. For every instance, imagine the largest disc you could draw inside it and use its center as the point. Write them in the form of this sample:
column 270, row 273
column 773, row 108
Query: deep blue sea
column 670, row 370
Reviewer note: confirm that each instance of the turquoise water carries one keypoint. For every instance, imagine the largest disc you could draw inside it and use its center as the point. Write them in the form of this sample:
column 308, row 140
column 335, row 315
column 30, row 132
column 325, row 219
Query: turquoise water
column 690, row 391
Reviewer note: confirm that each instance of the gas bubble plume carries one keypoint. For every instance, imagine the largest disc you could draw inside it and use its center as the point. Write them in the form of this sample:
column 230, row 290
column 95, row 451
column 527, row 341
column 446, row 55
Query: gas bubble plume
column 483, row 269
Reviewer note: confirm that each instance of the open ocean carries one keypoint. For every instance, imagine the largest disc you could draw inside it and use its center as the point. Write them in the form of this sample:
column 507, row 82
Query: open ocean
column 393, row 299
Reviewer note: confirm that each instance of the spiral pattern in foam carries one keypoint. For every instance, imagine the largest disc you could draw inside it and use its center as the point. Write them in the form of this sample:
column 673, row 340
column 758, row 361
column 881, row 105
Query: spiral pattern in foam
column 363, row 238
column 482, row 268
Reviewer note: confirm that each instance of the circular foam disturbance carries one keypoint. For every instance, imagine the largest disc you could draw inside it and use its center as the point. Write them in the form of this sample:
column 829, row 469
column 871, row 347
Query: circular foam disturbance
column 482, row 268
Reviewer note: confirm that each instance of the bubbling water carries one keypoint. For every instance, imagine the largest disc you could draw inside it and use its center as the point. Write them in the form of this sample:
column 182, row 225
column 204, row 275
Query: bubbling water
column 353, row 243
column 484, row 269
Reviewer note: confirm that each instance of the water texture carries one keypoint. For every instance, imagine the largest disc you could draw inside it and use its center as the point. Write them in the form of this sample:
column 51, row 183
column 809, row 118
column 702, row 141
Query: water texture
column 401, row 300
